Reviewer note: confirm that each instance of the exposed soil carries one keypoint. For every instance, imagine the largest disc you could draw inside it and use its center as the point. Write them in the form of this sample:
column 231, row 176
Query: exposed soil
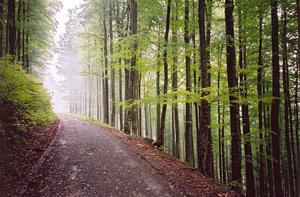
column 19, row 151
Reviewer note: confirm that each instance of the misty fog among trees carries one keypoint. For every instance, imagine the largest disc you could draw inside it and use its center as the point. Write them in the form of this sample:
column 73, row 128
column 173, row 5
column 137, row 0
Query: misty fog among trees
column 213, row 83
column 203, row 78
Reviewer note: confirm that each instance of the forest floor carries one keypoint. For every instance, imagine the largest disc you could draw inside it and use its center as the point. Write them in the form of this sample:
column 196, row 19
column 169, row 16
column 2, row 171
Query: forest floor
column 19, row 151
column 88, row 160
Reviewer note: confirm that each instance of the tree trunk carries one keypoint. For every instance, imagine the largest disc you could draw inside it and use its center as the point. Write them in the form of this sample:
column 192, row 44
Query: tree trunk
column 285, row 74
column 234, row 107
column 19, row 19
column 105, row 79
column 204, row 160
column 1, row 27
column 23, row 36
column 260, row 109
column 175, row 85
column 188, row 106
column 131, row 122
column 160, row 137
column 250, row 185
column 98, row 97
column 196, row 80
column 224, row 156
column 275, row 128
column 296, row 100
column 158, row 84
column 268, row 139
column 113, row 92
column 221, row 140
column 27, row 53
column 11, row 23
column 90, row 86
column 209, row 156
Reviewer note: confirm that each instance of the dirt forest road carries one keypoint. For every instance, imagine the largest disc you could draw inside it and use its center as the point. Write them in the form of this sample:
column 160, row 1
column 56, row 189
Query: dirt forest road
column 86, row 160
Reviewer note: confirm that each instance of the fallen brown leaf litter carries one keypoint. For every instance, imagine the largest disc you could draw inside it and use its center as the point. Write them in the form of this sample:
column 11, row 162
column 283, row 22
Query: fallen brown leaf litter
column 19, row 151
column 185, row 178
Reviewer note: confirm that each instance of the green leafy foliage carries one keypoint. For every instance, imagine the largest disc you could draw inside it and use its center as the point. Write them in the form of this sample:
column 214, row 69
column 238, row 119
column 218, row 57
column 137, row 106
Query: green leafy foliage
column 25, row 93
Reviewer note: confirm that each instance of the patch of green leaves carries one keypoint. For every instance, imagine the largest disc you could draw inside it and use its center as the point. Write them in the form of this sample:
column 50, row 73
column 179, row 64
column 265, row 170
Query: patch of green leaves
column 24, row 92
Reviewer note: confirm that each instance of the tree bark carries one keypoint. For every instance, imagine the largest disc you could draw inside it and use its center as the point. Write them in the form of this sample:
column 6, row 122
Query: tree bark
column 175, row 84
column 188, row 106
column 105, row 79
column 11, row 23
column 196, row 80
column 1, row 27
column 260, row 108
column 23, row 36
column 250, row 184
column 131, row 122
column 209, row 157
column 158, row 84
column 296, row 100
column 220, row 136
column 297, row 86
column 275, row 128
column 90, row 86
column 160, row 137
column 111, row 51
column 234, row 107
column 204, row 132
column 285, row 74
column 19, row 32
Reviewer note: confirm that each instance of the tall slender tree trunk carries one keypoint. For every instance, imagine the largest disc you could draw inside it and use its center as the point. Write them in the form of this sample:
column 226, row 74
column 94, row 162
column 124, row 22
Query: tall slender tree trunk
column 250, row 185
column 1, row 27
column 234, row 107
column 195, row 68
column 146, row 112
column 19, row 32
column 119, row 24
column 260, row 108
column 111, row 51
column 204, row 153
column 127, row 123
column 131, row 122
column 268, row 139
column 188, row 106
column 140, row 115
column 98, row 97
column 23, row 35
column 210, row 159
column 175, row 119
column 296, row 101
column 221, row 140
column 158, row 84
column 287, row 103
column 105, row 79
column 223, row 151
column 27, row 52
column 90, row 86
column 121, row 97
column 275, row 128
column 160, row 136
column 11, row 24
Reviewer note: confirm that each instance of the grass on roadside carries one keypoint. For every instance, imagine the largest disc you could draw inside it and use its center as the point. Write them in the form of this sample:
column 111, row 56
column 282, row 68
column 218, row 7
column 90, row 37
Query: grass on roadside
column 91, row 120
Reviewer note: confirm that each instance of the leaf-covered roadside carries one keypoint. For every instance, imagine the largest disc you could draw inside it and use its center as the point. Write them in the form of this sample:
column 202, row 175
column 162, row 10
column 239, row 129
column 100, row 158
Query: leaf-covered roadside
column 19, row 152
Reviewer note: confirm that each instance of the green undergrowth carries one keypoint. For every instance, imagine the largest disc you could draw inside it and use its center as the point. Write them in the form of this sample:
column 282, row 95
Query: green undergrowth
column 91, row 120
column 24, row 102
